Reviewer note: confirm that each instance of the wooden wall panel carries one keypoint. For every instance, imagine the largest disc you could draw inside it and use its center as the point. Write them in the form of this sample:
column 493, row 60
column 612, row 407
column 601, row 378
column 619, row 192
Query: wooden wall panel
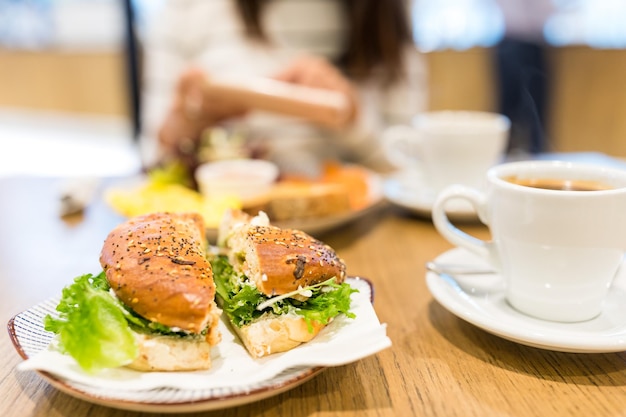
column 67, row 81
column 588, row 100
column 461, row 80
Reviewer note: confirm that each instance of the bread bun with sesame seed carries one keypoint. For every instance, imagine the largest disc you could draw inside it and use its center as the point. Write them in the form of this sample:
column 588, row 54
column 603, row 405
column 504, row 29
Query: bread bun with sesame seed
column 281, row 273
column 156, row 266
column 282, row 260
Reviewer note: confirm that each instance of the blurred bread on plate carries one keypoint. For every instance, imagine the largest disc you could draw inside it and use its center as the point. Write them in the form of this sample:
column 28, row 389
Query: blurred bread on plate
column 294, row 199
column 339, row 189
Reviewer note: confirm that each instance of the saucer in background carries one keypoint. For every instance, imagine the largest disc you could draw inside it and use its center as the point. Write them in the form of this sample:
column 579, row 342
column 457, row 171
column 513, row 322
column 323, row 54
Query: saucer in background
column 410, row 191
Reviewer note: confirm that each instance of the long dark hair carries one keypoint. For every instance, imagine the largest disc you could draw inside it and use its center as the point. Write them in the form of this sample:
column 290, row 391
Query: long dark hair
column 378, row 32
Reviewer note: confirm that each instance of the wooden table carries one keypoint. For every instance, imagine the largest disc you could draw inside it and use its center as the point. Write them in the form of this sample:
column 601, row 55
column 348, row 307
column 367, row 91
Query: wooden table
column 438, row 365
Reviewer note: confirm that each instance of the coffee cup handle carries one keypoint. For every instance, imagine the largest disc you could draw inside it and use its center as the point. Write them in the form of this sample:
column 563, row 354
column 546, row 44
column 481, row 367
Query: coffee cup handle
column 456, row 236
column 398, row 145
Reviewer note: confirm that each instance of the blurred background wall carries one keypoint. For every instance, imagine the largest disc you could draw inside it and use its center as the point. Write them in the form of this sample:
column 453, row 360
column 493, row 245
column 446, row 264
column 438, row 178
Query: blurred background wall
column 75, row 56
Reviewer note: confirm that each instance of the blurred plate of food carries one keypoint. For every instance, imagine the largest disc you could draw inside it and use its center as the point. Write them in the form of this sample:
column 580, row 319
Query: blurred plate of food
column 340, row 194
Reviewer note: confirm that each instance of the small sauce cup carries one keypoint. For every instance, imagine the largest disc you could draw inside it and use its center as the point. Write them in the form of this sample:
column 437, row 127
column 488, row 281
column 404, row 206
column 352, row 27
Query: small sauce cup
column 246, row 179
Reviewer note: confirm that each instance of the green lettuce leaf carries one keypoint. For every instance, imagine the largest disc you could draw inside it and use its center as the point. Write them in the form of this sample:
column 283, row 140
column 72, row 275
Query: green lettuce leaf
column 327, row 304
column 92, row 325
column 240, row 298
column 171, row 173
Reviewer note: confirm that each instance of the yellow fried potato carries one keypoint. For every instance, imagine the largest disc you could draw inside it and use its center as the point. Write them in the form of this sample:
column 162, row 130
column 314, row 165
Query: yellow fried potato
column 152, row 197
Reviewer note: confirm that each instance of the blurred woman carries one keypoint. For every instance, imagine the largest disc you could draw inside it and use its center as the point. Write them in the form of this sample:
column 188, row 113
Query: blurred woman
column 360, row 48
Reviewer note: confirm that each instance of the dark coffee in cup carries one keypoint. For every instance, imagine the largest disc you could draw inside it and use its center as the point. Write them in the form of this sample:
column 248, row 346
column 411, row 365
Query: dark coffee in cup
column 559, row 184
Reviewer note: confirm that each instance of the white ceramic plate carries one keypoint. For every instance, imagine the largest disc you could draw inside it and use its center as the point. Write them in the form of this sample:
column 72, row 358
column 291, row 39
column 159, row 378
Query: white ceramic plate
column 410, row 191
column 227, row 384
column 480, row 300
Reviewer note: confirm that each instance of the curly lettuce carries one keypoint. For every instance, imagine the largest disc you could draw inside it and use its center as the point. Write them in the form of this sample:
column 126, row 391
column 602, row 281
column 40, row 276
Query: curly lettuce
column 92, row 326
column 96, row 328
column 243, row 303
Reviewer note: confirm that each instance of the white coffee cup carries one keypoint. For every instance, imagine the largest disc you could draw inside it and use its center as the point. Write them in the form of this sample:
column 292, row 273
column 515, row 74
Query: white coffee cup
column 557, row 250
column 449, row 146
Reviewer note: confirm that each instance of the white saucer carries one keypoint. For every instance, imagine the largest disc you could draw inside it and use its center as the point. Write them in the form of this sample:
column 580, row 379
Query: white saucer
column 410, row 191
column 490, row 311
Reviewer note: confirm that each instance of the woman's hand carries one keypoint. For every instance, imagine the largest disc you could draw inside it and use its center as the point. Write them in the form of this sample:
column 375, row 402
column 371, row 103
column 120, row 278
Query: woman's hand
column 317, row 72
column 192, row 112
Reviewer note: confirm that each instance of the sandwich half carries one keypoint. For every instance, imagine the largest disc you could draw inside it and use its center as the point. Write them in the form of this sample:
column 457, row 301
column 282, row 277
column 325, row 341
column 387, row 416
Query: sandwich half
column 152, row 308
column 278, row 287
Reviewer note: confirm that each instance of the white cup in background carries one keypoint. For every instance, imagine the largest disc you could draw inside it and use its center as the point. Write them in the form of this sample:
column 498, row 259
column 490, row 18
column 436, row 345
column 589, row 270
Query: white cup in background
column 448, row 147
column 557, row 249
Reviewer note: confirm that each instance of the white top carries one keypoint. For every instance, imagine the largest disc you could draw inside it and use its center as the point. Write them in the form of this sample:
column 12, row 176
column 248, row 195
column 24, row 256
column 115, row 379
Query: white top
column 210, row 34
